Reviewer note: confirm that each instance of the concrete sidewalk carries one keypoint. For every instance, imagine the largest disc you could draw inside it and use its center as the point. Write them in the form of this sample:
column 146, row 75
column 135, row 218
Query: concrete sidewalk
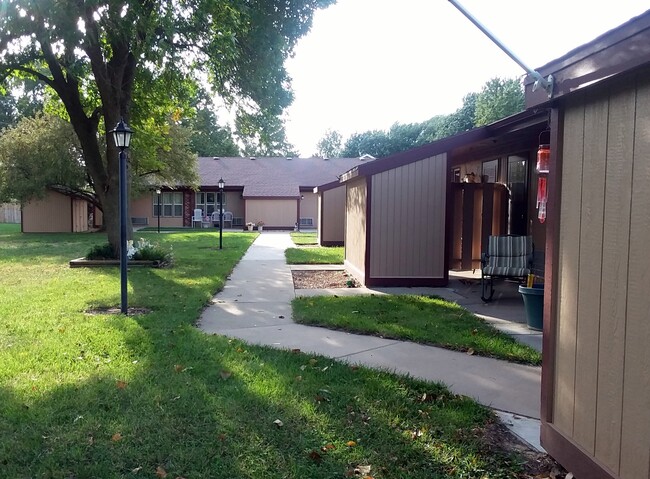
column 255, row 306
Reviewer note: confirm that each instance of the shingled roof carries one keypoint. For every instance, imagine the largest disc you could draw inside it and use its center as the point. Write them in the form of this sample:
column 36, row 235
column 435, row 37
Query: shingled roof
column 273, row 177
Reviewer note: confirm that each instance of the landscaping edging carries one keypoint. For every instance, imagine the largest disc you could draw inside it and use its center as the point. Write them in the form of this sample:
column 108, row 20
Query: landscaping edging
column 96, row 263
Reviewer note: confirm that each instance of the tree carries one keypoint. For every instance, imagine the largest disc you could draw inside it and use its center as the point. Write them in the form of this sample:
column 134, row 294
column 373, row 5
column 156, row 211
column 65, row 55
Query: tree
column 41, row 151
column 329, row 146
column 498, row 99
column 141, row 60
column 208, row 138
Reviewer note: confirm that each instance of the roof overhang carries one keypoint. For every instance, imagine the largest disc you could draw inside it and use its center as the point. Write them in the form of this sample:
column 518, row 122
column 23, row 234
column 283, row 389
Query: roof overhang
column 620, row 50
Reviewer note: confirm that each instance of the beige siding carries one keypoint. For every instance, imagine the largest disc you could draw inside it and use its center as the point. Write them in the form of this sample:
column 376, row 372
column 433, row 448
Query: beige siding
column 236, row 205
column 274, row 213
column 79, row 215
column 143, row 208
column 355, row 228
column 52, row 214
column 309, row 207
column 408, row 206
column 602, row 385
column 332, row 223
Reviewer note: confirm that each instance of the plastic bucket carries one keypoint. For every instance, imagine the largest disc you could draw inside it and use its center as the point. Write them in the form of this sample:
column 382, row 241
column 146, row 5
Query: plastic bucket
column 534, row 306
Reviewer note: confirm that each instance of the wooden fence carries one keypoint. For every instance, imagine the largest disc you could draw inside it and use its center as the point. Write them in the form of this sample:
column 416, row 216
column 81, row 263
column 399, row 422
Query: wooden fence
column 9, row 213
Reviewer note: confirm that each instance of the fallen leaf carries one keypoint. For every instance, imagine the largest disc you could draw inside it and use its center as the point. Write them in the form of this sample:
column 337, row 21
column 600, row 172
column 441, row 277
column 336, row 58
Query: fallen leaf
column 302, row 368
column 178, row 368
column 313, row 361
column 136, row 470
column 225, row 374
column 350, row 443
column 222, row 437
column 474, row 332
column 240, row 350
column 278, row 423
column 295, row 350
column 354, row 367
column 91, row 440
column 120, row 384
column 116, row 437
column 160, row 472
column 298, row 378
column 365, row 470
column 470, row 351
column 415, row 434
column 316, row 457
column 281, row 317
column 327, row 447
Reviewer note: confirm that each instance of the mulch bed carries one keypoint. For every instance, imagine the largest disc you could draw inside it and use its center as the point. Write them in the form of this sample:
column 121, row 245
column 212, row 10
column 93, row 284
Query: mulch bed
column 322, row 279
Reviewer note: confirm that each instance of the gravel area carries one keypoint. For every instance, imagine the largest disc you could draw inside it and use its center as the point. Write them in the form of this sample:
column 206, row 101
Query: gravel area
column 322, row 279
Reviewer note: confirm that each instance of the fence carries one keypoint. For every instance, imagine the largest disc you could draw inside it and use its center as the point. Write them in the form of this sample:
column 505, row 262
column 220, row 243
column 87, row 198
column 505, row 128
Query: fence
column 9, row 213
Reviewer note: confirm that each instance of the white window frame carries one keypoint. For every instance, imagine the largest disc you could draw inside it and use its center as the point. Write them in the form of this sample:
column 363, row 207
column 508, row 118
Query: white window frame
column 171, row 201
column 209, row 207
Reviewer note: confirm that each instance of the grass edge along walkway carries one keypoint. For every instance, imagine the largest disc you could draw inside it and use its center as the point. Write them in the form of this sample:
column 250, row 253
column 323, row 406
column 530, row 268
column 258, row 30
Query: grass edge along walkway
column 421, row 319
column 114, row 396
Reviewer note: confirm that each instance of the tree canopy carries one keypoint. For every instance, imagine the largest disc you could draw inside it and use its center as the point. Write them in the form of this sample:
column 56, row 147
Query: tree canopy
column 497, row 99
column 143, row 60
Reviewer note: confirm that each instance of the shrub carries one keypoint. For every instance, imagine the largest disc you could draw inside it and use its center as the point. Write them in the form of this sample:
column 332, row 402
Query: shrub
column 102, row 251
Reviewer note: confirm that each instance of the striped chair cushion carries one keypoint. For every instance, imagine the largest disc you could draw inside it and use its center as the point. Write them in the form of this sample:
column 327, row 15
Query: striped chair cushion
column 508, row 256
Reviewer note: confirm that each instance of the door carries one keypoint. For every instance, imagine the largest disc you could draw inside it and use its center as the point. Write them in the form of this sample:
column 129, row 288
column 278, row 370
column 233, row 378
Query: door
column 518, row 186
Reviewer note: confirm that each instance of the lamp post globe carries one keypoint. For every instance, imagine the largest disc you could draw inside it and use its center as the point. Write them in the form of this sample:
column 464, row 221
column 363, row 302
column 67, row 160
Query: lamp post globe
column 122, row 137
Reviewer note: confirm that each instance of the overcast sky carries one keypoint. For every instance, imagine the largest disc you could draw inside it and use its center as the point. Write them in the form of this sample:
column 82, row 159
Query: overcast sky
column 367, row 64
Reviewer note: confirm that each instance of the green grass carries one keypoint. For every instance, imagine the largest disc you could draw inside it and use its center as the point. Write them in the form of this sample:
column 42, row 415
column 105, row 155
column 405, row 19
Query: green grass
column 318, row 255
column 420, row 319
column 304, row 238
column 112, row 396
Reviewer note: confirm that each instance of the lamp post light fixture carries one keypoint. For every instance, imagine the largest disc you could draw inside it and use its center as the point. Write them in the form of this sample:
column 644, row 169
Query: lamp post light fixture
column 122, row 136
column 159, row 206
column 221, row 185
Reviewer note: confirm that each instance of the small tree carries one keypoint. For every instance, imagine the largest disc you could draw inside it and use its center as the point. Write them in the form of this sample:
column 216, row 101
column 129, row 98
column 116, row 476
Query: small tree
column 330, row 145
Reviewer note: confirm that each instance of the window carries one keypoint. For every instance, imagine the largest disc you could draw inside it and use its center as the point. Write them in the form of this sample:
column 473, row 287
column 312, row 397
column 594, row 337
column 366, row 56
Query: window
column 306, row 221
column 490, row 171
column 209, row 202
column 172, row 204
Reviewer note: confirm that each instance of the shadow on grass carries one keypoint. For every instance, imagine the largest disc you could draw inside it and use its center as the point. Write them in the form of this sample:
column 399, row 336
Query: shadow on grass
column 114, row 396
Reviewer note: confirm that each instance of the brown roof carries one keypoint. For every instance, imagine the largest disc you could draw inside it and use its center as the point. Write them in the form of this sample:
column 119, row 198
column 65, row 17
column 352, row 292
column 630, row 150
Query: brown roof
column 273, row 177
column 617, row 51
column 475, row 137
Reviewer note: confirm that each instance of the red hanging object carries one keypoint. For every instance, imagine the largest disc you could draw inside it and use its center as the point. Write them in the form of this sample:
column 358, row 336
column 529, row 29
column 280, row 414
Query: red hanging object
column 543, row 157
column 541, row 199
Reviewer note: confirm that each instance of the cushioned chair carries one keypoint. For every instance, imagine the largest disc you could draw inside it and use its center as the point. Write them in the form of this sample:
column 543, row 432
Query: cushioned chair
column 506, row 257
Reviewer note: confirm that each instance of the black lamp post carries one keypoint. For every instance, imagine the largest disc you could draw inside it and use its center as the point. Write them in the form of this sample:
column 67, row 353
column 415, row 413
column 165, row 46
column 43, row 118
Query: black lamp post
column 122, row 136
column 221, row 184
column 159, row 206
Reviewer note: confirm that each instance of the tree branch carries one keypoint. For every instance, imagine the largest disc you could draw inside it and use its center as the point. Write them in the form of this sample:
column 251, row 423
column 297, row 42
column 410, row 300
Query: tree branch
column 30, row 71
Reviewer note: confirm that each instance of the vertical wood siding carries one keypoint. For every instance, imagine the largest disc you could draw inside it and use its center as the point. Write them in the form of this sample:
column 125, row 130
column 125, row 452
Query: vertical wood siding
column 355, row 228
column 602, row 380
column 332, row 222
column 278, row 213
column 309, row 207
column 408, row 207
column 79, row 215
column 52, row 214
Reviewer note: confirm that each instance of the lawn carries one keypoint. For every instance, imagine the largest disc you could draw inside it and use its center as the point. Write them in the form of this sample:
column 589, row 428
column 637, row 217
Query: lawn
column 300, row 238
column 317, row 255
column 110, row 396
column 421, row 319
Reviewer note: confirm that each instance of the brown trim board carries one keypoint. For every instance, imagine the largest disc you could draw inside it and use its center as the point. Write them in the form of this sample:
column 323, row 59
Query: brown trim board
column 366, row 260
column 407, row 282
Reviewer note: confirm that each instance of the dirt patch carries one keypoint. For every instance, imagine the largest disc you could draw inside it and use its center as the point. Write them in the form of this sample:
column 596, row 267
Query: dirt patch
column 322, row 279
column 132, row 311
column 535, row 464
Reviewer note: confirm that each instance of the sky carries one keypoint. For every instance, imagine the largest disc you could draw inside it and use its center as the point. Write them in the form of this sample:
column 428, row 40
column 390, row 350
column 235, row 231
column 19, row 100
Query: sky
column 367, row 64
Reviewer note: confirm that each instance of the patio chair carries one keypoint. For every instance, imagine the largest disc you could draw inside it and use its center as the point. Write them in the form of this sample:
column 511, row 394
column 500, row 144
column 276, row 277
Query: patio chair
column 227, row 218
column 507, row 257
column 215, row 218
column 197, row 217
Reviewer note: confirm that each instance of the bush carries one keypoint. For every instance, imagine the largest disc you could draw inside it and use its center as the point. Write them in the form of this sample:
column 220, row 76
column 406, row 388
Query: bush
column 140, row 250
column 102, row 251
